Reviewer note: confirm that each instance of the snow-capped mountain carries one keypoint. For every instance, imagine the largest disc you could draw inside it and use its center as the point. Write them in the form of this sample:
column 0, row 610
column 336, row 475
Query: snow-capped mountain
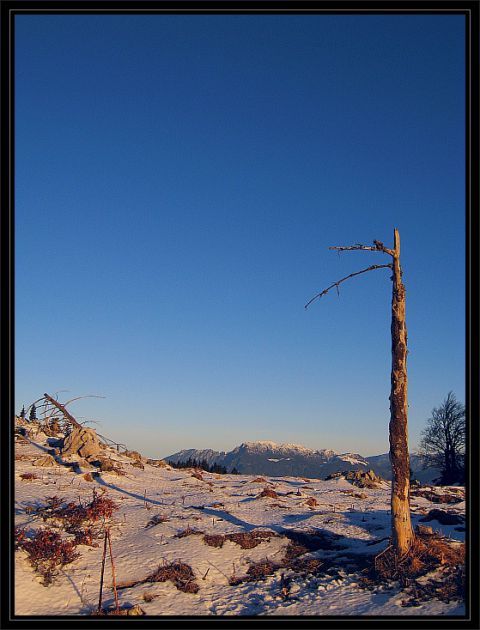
column 269, row 458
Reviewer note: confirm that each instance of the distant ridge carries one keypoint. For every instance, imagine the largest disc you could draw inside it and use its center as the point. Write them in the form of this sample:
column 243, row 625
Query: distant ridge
column 265, row 457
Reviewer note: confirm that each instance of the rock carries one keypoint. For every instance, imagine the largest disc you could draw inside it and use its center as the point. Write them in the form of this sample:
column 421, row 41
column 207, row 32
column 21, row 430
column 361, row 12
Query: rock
column 424, row 530
column 46, row 461
column 81, row 441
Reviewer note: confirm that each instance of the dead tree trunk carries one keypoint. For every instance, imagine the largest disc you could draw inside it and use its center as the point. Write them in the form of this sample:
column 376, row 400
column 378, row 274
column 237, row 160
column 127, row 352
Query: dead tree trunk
column 402, row 532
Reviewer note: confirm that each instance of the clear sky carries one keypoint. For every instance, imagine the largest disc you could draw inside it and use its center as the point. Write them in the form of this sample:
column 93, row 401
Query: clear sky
column 179, row 180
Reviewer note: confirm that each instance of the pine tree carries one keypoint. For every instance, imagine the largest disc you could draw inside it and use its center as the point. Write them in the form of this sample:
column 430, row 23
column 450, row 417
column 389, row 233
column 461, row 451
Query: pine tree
column 33, row 413
column 22, row 413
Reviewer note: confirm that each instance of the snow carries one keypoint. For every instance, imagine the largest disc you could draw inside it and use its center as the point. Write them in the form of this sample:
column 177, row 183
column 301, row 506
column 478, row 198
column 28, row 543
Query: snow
column 220, row 504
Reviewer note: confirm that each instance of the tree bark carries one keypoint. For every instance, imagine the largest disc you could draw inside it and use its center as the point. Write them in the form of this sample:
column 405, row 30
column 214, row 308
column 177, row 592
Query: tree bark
column 402, row 531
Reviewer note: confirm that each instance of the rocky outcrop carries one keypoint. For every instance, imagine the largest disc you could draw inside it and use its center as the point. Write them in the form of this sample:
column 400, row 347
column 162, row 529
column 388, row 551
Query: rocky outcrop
column 83, row 442
column 367, row 479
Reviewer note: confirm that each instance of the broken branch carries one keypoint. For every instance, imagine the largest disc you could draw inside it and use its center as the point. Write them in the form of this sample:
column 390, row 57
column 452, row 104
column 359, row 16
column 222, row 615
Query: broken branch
column 336, row 284
column 377, row 247
column 67, row 415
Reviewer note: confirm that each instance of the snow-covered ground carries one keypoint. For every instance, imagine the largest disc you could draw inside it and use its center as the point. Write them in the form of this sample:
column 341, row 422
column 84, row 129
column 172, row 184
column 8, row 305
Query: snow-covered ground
column 351, row 527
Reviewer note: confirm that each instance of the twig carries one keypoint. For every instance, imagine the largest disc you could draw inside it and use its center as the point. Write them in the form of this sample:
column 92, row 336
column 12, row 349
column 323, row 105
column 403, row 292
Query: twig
column 336, row 284
column 101, row 573
column 107, row 532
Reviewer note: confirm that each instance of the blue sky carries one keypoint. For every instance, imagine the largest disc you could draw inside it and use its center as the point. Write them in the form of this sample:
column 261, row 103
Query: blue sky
column 179, row 180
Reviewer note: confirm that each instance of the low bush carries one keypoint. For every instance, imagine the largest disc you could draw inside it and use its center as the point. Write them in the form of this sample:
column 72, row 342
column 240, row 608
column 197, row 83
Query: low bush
column 46, row 552
column 268, row 492
column 179, row 573
column 28, row 476
column 246, row 540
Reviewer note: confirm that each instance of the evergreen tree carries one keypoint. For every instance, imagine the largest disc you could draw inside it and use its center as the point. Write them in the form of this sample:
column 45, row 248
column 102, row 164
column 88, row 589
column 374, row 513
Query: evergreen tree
column 22, row 413
column 33, row 413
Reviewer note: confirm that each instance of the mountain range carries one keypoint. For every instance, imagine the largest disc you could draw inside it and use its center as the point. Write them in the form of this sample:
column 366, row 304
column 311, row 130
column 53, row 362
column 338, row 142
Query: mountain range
column 294, row 460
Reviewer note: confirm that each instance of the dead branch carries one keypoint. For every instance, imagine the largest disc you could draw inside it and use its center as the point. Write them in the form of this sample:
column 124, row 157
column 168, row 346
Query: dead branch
column 60, row 407
column 378, row 247
column 79, row 397
column 336, row 284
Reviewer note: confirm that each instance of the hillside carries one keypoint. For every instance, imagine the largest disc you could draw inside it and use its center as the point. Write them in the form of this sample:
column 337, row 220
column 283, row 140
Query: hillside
column 191, row 543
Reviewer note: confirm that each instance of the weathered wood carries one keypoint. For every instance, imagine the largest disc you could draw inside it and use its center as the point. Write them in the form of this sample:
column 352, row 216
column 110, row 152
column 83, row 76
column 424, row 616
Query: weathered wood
column 61, row 408
column 402, row 531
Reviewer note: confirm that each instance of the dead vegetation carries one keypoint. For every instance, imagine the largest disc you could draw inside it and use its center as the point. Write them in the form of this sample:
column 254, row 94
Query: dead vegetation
column 180, row 573
column 246, row 540
column 268, row 492
column 47, row 552
column 450, row 497
column 28, row 476
column 429, row 553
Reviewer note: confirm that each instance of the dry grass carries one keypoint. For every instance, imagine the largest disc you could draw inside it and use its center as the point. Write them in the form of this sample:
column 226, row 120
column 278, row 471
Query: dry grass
column 427, row 554
column 259, row 480
column 311, row 502
column 179, row 573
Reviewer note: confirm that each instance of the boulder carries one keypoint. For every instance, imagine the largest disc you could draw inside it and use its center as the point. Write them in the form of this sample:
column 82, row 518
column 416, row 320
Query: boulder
column 81, row 441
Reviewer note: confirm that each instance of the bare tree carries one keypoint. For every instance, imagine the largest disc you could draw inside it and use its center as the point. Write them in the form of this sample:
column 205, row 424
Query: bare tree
column 402, row 531
column 443, row 440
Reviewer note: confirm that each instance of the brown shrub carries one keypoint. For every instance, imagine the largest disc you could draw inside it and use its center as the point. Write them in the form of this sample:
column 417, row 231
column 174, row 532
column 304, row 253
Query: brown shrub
column 294, row 550
column 306, row 565
column 246, row 540
column 259, row 570
column 198, row 475
column 28, row 476
column 214, row 540
column 179, row 573
column 47, row 551
column 259, row 480
column 268, row 492
column 74, row 516
column 311, row 502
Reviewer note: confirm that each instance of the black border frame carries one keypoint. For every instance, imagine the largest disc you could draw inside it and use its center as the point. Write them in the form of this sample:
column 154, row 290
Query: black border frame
column 469, row 8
